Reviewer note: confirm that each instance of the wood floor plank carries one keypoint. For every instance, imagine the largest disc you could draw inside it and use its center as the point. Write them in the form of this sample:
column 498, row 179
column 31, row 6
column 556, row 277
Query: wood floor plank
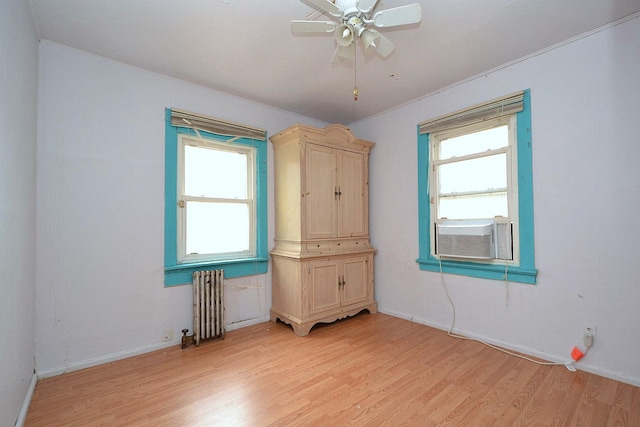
column 366, row 370
column 522, row 397
column 564, row 408
column 533, row 412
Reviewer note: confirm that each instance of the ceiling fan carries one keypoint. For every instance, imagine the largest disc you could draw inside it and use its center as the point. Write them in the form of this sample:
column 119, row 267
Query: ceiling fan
column 355, row 19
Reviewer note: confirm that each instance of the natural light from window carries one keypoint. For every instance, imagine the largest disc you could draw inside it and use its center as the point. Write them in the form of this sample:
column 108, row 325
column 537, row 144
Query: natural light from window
column 218, row 221
column 472, row 175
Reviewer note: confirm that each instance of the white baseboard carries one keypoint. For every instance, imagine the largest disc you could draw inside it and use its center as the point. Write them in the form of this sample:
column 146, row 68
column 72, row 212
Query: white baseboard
column 524, row 350
column 137, row 351
column 508, row 346
column 108, row 358
column 245, row 323
column 27, row 401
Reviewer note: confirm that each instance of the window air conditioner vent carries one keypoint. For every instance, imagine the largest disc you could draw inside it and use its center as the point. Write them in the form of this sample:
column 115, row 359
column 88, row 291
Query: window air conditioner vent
column 474, row 239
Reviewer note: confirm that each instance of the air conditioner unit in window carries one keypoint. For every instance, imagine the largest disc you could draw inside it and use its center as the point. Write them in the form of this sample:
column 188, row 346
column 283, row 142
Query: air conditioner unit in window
column 474, row 239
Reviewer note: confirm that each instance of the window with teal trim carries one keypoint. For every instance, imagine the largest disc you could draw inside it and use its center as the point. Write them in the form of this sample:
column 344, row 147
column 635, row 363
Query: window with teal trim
column 475, row 174
column 215, row 197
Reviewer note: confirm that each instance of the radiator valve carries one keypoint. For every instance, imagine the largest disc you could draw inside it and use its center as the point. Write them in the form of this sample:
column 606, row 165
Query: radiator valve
column 186, row 339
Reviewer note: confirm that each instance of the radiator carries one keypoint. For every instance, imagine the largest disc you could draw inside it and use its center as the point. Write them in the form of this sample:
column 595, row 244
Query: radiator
column 208, row 305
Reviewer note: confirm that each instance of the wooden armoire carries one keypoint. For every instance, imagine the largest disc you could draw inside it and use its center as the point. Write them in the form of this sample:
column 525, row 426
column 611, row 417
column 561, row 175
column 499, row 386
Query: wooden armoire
column 322, row 260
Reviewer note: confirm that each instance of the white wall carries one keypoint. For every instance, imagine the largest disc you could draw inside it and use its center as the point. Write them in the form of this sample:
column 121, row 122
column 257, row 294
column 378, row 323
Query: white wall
column 586, row 145
column 18, row 109
column 100, row 293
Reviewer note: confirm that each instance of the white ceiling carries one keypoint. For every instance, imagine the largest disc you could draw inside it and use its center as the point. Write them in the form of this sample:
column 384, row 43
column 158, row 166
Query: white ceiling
column 246, row 47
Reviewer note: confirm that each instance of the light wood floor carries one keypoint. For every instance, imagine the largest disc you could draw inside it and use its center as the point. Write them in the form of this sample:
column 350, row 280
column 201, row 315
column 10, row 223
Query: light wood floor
column 369, row 370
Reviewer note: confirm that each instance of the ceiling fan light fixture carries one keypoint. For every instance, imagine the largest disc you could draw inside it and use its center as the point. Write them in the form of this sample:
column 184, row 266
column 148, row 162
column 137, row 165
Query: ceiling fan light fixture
column 370, row 38
column 344, row 34
column 355, row 19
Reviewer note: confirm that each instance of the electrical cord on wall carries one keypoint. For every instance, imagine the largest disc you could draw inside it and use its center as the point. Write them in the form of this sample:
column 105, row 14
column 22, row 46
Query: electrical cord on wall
column 258, row 288
column 506, row 283
column 568, row 365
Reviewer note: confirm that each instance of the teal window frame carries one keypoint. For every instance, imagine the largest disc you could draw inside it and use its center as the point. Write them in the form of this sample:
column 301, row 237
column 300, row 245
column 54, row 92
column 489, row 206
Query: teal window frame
column 526, row 271
column 180, row 273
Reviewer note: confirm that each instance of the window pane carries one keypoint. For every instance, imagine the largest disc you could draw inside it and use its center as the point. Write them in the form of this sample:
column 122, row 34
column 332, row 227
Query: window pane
column 214, row 228
column 215, row 173
column 481, row 174
column 474, row 207
column 476, row 142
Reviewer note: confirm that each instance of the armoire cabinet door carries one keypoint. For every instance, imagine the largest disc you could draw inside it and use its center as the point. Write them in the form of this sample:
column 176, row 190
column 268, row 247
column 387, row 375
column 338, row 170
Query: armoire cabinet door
column 333, row 283
column 335, row 193
column 351, row 200
column 323, row 286
column 355, row 280
column 320, row 192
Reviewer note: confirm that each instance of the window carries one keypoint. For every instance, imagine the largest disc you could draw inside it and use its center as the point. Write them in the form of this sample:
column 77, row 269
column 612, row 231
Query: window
column 215, row 181
column 473, row 177
column 475, row 191
column 215, row 197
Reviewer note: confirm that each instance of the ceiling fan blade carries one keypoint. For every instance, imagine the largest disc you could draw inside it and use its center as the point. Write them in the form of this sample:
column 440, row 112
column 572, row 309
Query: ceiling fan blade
column 313, row 26
column 385, row 46
column 403, row 15
column 366, row 6
column 327, row 6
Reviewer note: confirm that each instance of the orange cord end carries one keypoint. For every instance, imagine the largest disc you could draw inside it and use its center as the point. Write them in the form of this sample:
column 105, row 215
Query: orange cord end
column 576, row 354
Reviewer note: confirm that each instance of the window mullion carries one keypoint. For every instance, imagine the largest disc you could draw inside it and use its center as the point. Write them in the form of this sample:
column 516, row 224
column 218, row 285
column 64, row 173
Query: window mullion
column 473, row 193
column 488, row 153
column 203, row 199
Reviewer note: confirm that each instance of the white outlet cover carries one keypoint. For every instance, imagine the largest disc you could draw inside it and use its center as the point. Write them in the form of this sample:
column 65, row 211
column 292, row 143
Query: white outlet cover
column 591, row 328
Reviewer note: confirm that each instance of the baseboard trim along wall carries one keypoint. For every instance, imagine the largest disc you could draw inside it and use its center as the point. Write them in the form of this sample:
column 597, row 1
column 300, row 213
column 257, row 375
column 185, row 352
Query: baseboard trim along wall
column 146, row 349
column 245, row 323
column 582, row 366
column 22, row 415
column 89, row 363
column 136, row 351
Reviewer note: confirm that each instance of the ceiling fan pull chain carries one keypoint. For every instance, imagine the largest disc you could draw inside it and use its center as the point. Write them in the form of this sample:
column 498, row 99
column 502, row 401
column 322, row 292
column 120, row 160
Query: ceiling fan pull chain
column 355, row 74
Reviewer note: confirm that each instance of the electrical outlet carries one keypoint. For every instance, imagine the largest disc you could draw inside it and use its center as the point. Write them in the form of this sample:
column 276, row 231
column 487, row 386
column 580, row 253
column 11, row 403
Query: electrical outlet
column 167, row 335
column 590, row 329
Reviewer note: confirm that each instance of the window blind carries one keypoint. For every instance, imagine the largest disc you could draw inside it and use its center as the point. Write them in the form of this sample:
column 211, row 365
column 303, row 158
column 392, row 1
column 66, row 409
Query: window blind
column 221, row 127
column 486, row 111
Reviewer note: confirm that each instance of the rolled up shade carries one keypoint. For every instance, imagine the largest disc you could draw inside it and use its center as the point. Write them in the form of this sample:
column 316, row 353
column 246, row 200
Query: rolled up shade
column 479, row 113
column 182, row 118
